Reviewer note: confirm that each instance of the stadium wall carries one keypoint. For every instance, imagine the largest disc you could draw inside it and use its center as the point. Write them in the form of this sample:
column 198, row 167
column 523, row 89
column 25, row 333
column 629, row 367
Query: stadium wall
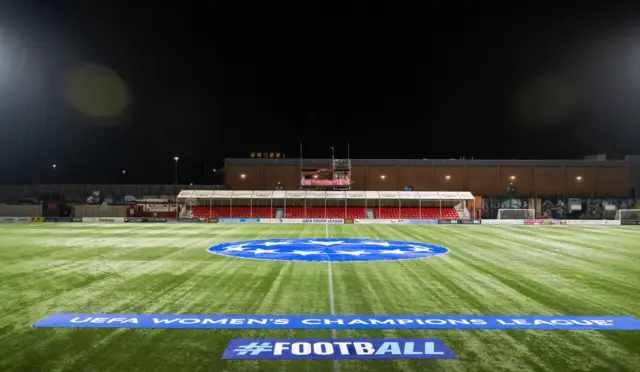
column 34, row 210
column 80, row 192
column 100, row 210
column 539, row 180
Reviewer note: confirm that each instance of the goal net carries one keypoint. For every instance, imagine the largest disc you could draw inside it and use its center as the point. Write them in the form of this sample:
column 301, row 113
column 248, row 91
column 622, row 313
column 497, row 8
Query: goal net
column 628, row 214
column 516, row 214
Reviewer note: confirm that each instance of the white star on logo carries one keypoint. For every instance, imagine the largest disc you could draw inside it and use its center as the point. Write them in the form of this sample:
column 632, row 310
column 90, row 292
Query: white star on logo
column 384, row 244
column 304, row 253
column 269, row 244
column 258, row 251
column 353, row 253
column 234, row 248
column 417, row 248
column 395, row 251
column 326, row 243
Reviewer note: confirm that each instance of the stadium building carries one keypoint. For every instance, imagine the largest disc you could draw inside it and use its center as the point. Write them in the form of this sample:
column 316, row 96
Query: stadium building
column 533, row 178
column 591, row 188
column 266, row 187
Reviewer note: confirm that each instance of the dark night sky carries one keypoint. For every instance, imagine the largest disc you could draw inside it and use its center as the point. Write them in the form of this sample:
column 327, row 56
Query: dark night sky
column 210, row 81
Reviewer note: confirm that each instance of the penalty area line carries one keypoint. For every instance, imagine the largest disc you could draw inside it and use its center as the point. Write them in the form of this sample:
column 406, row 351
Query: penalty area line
column 332, row 301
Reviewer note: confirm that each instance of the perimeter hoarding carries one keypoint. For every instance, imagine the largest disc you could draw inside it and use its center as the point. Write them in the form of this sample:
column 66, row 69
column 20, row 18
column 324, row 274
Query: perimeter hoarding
column 103, row 219
column 503, row 222
column 62, row 219
column 630, row 222
column 145, row 220
column 14, row 219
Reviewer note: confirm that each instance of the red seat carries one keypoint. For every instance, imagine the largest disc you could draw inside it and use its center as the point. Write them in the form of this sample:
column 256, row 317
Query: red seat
column 417, row 213
column 387, row 213
column 320, row 212
column 232, row 212
column 329, row 212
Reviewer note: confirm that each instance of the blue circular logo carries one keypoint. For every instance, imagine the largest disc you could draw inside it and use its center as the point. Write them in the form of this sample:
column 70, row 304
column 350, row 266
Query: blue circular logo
column 328, row 249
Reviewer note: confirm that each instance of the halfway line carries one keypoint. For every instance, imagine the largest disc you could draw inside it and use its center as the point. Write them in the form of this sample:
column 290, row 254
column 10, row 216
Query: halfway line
column 332, row 302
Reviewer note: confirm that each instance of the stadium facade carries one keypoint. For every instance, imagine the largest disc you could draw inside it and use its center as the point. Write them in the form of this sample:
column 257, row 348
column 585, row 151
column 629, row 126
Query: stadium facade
column 531, row 178
column 593, row 188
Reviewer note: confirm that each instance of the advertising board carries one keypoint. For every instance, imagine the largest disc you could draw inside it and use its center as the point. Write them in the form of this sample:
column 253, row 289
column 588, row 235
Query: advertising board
column 186, row 220
column 368, row 221
column 448, row 222
column 376, row 221
column 331, row 221
column 62, row 219
column 422, row 222
column 545, row 222
column 593, row 222
column 238, row 220
column 15, row 219
column 323, row 221
column 630, row 222
column 503, row 222
column 291, row 220
column 145, row 220
column 397, row 221
column 103, row 219
column 270, row 220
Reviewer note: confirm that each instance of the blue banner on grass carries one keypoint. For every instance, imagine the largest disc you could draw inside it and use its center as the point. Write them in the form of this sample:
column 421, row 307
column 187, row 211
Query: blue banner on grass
column 377, row 348
column 618, row 323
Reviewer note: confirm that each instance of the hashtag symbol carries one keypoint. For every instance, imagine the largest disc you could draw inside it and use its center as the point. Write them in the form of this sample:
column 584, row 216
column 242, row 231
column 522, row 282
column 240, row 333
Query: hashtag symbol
column 254, row 348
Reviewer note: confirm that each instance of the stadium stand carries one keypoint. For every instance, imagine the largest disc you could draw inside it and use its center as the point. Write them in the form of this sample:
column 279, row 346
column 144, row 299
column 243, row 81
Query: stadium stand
column 232, row 212
column 318, row 204
column 267, row 212
column 329, row 212
column 417, row 213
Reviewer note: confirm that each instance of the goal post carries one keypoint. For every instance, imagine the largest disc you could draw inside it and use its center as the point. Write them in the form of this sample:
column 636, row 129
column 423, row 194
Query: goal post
column 628, row 214
column 516, row 214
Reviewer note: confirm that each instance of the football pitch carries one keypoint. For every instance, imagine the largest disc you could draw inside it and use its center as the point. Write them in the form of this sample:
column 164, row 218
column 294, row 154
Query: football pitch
column 166, row 269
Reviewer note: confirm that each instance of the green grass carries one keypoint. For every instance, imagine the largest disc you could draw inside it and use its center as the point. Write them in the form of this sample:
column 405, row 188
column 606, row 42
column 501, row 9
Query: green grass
column 490, row 270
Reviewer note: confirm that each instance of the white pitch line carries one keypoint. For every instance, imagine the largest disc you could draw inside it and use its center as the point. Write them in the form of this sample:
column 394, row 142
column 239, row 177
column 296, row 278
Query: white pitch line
column 332, row 302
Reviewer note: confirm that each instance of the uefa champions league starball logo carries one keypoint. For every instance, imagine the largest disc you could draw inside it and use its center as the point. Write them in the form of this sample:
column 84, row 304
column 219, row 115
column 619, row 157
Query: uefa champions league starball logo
column 328, row 249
